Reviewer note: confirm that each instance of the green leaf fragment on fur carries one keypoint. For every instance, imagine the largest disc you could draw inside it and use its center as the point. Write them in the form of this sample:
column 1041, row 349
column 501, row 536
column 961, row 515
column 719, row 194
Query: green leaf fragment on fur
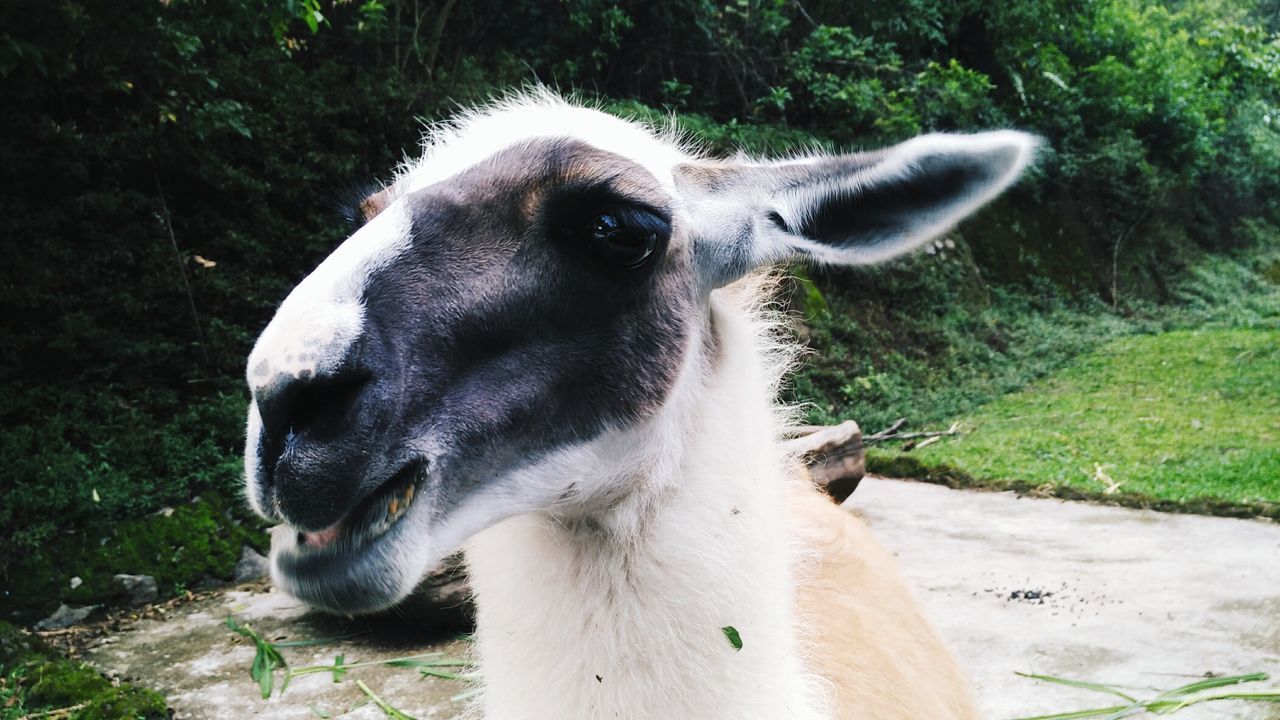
column 735, row 639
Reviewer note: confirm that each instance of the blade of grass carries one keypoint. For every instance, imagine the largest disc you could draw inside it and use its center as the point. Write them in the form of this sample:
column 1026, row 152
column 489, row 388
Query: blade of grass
column 318, row 641
column 385, row 707
column 1213, row 683
column 1165, row 707
column 268, row 658
column 407, row 661
column 1166, row 702
column 1095, row 712
column 460, row 697
column 1162, row 700
column 442, row 674
column 428, row 663
column 1083, row 684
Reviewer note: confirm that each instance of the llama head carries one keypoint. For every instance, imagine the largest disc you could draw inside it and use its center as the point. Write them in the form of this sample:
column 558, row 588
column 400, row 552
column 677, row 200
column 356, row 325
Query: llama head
column 518, row 302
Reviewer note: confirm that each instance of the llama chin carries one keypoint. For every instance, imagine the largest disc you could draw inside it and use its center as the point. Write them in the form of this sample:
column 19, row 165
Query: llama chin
column 546, row 347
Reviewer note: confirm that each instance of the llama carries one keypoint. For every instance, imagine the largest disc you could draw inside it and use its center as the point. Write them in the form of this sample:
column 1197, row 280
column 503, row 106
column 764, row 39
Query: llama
column 546, row 347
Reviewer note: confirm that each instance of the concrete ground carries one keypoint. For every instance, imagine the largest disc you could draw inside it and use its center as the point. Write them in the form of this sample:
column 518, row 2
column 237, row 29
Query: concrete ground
column 202, row 667
column 1134, row 598
column 1123, row 597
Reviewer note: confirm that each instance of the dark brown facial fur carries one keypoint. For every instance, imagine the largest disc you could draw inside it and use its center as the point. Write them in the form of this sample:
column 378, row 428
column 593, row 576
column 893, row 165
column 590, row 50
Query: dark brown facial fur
column 504, row 334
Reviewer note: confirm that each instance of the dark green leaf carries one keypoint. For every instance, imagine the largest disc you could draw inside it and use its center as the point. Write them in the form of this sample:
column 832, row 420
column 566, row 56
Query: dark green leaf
column 731, row 633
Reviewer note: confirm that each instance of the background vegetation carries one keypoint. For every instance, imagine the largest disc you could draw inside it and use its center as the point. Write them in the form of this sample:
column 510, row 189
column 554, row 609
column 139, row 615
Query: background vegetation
column 173, row 167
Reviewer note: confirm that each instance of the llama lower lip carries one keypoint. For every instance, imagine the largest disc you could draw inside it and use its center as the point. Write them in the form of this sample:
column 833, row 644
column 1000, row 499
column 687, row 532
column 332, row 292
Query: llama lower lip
column 373, row 517
column 319, row 539
column 354, row 567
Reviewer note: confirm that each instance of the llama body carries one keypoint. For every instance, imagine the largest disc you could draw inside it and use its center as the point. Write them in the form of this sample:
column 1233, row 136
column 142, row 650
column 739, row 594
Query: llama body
column 541, row 348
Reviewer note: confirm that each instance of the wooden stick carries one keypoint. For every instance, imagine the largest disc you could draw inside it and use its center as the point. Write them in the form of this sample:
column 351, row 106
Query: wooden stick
column 882, row 436
column 60, row 712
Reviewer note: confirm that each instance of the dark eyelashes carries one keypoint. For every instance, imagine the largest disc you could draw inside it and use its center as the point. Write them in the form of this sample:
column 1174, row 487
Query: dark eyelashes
column 617, row 234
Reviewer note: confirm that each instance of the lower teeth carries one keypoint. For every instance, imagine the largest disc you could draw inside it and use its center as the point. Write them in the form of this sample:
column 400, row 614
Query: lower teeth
column 396, row 506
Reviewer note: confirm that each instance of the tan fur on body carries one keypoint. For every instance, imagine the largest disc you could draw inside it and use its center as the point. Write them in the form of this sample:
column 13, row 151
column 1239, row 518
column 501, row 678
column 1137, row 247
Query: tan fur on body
column 861, row 628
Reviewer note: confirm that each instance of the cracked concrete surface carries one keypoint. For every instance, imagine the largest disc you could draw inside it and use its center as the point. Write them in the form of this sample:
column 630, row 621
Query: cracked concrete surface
column 1133, row 598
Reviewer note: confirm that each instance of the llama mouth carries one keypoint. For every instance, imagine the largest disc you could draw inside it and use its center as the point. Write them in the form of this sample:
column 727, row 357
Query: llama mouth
column 374, row 516
column 356, row 566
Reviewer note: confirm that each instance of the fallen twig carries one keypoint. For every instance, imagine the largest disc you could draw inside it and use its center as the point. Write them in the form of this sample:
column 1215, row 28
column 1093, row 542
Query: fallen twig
column 56, row 713
column 893, row 428
column 890, row 433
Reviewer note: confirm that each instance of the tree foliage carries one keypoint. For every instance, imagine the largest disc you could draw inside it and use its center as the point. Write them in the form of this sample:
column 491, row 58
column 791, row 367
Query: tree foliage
column 172, row 167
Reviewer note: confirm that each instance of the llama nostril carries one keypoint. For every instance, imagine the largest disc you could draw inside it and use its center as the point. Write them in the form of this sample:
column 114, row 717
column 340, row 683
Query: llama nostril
column 315, row 406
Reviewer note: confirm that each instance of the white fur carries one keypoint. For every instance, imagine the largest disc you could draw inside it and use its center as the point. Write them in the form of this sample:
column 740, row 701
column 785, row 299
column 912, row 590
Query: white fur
column 323, row 315
column 609, row 602
column 1007, row 151
column 625, row 556
column 452, row 147
column 673, row 535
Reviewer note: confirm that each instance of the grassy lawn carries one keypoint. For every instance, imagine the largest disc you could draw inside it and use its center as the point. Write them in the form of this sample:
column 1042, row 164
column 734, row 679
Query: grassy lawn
column 1183, row 417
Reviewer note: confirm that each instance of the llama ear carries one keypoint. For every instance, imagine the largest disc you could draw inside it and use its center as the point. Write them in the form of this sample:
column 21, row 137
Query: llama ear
column 849, row 209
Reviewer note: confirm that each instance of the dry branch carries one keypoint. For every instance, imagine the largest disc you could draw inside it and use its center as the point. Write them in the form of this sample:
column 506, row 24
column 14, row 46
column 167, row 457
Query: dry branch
column 891, row 433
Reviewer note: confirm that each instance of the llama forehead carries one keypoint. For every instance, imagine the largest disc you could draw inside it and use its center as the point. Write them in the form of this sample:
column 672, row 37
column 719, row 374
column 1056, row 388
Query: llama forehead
column 451, row 149
column 524, row 176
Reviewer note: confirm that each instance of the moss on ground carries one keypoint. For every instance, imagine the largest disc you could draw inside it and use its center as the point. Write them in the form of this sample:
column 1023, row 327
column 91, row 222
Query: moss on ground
column 35, row 679
column 198, row 540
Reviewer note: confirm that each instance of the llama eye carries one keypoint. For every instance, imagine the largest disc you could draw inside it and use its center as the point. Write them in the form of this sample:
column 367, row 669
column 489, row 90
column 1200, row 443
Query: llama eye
column 619, row 243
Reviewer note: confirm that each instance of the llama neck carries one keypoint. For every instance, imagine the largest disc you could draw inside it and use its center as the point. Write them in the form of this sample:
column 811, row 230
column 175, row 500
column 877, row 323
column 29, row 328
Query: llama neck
column 616, row 608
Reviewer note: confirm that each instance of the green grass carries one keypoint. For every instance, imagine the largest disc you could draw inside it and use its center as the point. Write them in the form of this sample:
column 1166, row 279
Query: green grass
column 1185, row 416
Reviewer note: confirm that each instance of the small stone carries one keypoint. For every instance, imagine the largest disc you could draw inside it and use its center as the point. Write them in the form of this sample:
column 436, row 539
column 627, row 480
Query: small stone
column 209, row 582
column 251, row 565
column 141, row 589
column 76, row 582
column 65, row 617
